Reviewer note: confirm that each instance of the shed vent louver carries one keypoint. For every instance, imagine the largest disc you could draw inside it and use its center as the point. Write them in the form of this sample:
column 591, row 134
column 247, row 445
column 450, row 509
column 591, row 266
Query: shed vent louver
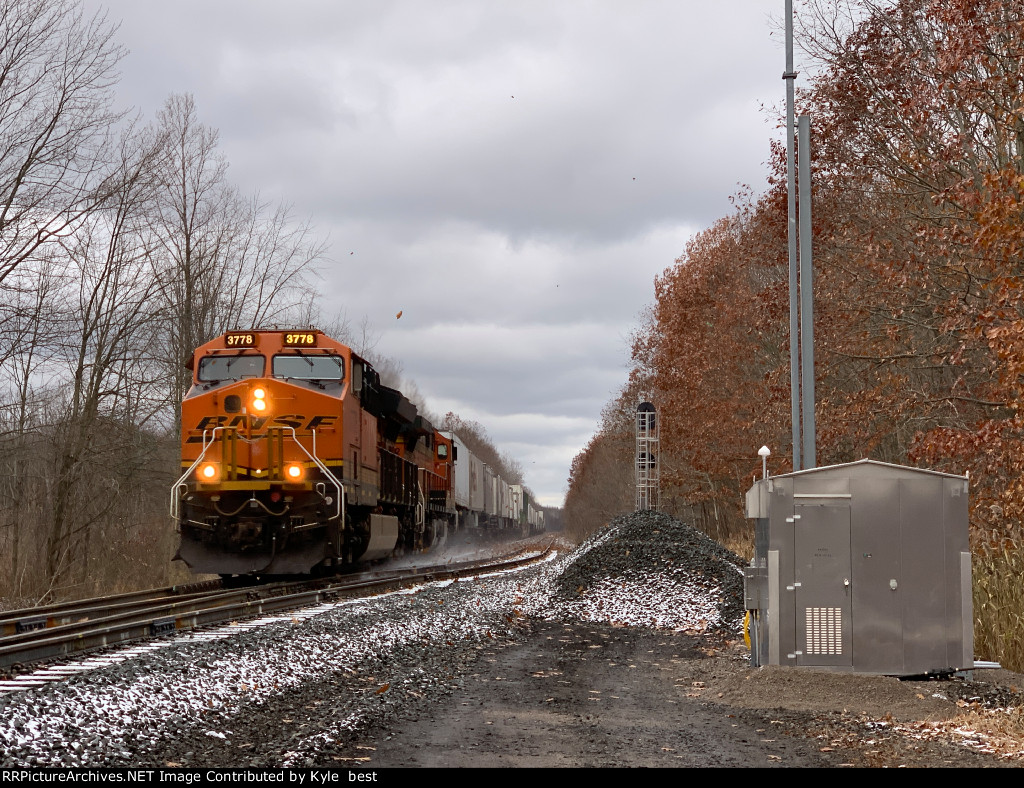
column 824, row 630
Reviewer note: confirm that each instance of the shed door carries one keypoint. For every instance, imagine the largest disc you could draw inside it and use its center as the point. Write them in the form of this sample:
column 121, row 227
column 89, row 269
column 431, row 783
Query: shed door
column 822, row 551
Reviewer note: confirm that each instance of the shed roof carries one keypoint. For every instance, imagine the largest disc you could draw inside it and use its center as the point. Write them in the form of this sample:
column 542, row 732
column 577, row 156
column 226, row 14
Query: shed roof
column 869, row 463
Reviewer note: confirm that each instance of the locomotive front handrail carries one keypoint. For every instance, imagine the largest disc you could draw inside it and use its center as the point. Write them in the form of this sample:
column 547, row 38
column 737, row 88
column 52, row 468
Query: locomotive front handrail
column 176, row 488
column 339, row 512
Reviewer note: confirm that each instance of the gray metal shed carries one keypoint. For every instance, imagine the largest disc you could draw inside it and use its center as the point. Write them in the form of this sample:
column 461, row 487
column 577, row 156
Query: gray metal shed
column 863, row 567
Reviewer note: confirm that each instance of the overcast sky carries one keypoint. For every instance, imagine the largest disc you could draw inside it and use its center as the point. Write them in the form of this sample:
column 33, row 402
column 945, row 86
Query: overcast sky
column 510, row 175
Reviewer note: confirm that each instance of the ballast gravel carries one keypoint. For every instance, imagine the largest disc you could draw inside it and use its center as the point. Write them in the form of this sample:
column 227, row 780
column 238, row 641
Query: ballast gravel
column 649, row 569
column 250, row 694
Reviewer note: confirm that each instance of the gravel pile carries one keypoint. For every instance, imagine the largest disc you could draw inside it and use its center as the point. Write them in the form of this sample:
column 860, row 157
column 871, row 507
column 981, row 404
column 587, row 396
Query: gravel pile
column 649, row 569
column 287, row 690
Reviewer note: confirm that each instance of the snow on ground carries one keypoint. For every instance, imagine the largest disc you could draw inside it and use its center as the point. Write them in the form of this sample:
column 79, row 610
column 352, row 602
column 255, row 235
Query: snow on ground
column 645, row 570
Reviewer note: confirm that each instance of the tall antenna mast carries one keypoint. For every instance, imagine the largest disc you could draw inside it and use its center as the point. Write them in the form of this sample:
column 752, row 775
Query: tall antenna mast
column 794, row 354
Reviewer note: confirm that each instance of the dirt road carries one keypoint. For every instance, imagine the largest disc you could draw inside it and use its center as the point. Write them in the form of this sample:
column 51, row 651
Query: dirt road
column 570, row 695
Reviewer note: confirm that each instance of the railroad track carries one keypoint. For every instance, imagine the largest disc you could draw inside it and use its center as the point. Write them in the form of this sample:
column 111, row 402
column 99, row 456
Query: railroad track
column 59, row 631
column 14, row 622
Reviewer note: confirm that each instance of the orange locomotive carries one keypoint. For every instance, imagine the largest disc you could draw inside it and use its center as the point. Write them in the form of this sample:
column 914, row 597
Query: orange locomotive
column 297, row 459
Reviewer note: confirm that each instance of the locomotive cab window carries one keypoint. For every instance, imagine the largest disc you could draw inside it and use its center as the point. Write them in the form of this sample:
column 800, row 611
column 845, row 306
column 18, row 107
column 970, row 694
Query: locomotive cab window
column 308, row 367
column 215, row 369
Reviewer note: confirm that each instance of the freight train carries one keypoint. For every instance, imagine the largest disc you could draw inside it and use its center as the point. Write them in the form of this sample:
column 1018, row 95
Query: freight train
column 296, row 459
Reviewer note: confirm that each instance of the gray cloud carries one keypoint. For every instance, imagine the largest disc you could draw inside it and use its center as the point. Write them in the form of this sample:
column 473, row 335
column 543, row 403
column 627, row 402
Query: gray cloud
column 511, row 175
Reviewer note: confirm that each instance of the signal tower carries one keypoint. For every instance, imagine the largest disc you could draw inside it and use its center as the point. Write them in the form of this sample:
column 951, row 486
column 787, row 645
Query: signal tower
column 648, row 480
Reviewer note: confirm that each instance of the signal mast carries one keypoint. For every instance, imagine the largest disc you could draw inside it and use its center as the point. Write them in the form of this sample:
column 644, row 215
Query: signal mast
column 648, row 460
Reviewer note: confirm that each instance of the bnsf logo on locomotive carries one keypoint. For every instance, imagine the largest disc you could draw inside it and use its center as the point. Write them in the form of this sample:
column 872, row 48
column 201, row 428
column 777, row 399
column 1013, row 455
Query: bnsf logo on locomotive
column 297, row 421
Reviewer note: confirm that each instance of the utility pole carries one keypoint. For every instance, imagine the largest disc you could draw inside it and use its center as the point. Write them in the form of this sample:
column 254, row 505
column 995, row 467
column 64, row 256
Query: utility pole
column 801, row 284
column 794, row 354
column 806, row 296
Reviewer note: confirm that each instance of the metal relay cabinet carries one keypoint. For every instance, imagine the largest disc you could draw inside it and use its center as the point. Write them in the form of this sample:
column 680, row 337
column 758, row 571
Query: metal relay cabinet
column 863, row 567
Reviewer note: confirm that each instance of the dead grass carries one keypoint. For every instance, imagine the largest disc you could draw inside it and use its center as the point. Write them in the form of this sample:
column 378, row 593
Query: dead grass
column 999, row 605
column 742, row 544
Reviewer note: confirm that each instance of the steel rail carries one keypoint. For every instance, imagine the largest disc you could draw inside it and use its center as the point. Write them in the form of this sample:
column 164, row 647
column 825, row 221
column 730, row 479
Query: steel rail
column 47, row 616
column 172, row 616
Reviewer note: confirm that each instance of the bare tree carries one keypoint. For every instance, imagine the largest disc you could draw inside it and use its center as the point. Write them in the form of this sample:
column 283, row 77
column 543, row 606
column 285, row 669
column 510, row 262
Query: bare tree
column 26, row 347
column 225, row 261
column 120, row 251
column 57, row 69
column 58, row 167
column 366, row 339
column 110, row 307
column 338, row 326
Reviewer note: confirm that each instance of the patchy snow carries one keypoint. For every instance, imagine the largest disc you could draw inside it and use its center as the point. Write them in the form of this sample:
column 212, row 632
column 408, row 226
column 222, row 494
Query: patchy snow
column 647, row 600
column 650, row 570
column 133, row 705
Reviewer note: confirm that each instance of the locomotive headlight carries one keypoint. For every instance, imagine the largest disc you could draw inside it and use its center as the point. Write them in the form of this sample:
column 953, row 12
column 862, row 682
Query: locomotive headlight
column 208, row 472
column 293, row 472
column 259, row 400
